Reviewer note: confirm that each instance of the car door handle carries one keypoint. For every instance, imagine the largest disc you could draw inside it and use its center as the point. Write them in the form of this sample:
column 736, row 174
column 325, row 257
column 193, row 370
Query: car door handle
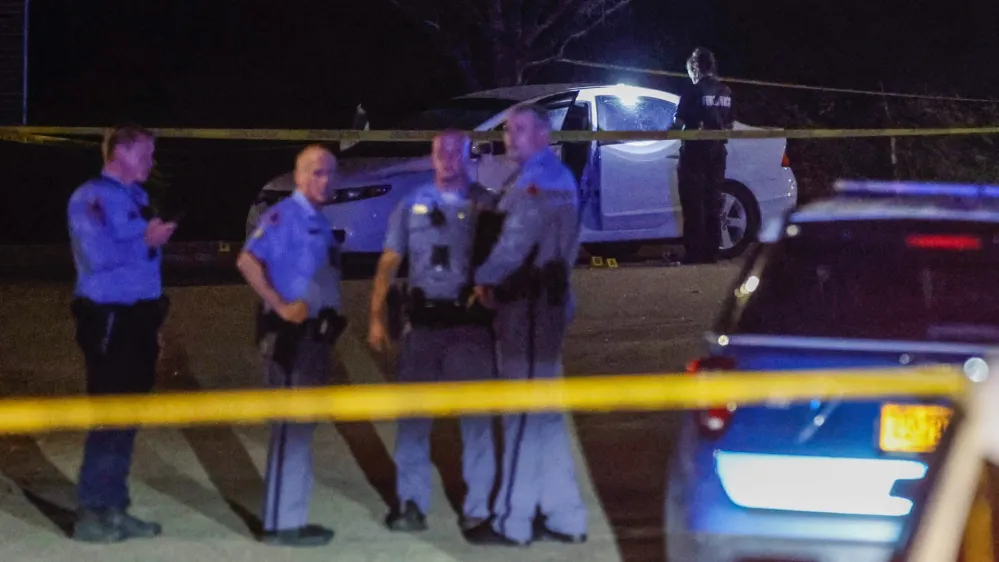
column 674, row 156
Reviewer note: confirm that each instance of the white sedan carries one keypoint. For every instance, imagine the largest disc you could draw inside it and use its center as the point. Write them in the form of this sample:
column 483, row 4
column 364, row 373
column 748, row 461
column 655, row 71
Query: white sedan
column 628, row 189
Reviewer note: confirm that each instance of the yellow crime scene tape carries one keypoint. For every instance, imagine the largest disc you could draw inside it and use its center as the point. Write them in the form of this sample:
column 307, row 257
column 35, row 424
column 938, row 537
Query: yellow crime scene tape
column 31, row 138
column 657, row 72
column 24, row 134
column 396, row 400
column 43, row 134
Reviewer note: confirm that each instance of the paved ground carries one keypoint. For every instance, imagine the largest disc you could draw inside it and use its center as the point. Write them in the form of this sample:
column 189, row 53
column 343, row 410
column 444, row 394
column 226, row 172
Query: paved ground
column 204, row 484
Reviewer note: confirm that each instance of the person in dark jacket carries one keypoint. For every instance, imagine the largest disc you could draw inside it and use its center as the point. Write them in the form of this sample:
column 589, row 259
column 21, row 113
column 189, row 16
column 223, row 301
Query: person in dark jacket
column 706, row 106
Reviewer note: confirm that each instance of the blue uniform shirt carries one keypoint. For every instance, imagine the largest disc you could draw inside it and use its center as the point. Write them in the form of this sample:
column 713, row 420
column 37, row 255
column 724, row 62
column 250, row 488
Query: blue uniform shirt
column 541, row 209
column 295, row 241
column 107, row 232
column 440, row 257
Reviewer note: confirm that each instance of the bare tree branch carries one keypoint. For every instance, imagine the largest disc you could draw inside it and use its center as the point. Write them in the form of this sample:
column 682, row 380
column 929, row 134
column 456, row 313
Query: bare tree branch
column 493, row 42
column 563, row 9
column 512, row 16
column 560, row 51
column 571, row 16
column 449, row 26
column 494, row 16
column 434, row 24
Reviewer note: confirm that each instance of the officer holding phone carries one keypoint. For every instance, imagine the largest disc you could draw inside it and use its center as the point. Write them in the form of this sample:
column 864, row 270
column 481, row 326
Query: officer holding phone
column 292, row 261
column 119, row 307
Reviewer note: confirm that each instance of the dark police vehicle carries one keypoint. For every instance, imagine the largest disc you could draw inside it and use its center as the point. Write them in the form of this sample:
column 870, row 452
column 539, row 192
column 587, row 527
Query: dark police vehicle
column 879, row 275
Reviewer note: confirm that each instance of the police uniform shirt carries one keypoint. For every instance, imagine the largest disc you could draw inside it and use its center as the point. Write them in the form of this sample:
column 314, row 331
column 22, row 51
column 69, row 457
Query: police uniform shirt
column 295, row 241
column 545, row 185
column 706, row 105
column 436, row 231
column 107, row 229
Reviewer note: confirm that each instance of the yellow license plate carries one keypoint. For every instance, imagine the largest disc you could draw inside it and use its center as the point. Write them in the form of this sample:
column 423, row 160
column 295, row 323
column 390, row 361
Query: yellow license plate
column 912, row 428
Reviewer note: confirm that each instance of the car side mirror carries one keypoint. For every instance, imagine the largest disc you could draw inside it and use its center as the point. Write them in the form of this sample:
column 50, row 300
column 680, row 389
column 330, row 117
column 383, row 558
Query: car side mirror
column 481, row 148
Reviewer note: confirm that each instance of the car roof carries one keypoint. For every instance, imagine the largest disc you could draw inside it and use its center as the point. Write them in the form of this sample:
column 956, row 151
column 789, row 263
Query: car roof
column 893, row 201
column 528, row 92
column 903, row 200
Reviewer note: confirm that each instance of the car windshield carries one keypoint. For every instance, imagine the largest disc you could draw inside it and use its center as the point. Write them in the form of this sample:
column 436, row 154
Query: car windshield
column 463, row 114
column 901, row 280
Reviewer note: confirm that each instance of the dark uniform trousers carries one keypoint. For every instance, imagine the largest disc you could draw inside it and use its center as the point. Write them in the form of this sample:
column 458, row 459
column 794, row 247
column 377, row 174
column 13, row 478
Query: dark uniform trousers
column 700, row 174
column 538, row 466
column 305, row 363
column 447, row 354
column 120, row 347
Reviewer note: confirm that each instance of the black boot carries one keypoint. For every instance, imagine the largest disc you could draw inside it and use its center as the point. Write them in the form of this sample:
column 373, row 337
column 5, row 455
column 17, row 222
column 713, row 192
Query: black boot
column 93, row 526
column 309, row 535
column 484, row 535
column 409, row 520
column 133, row 527
column 543, row 533
column 466, row 523
column 112, row 525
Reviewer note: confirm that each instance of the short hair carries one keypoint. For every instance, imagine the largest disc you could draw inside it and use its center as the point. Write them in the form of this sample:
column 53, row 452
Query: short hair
column 317, row 147
column 466, row 141
column 704, row 59
column 123, row 135
column 539, row 113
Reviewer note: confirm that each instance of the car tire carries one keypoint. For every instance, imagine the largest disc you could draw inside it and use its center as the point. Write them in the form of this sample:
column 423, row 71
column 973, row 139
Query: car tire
column 740, row 221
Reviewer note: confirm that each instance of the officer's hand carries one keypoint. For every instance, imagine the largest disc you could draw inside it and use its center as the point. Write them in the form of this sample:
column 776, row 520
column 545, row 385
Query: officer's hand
column 485, row 296
column 159, row 232
column 378, row 336
column 295, row 312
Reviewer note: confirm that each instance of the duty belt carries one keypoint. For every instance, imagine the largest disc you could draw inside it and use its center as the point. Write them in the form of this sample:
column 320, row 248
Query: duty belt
column 529, row 282
column 153, row 308
column 327, row 326
column 440, row 313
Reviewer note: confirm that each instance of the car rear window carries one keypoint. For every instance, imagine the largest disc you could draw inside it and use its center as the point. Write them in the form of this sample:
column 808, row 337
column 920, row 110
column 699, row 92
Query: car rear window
column 905, row 280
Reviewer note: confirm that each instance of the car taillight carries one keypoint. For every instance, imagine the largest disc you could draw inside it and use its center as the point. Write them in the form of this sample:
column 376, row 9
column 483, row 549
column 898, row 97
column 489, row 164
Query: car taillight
column 785, row 161
column 956, row 242
column 713, row 421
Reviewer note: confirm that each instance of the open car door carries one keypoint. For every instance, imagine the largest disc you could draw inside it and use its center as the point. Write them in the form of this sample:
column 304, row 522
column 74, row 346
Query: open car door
column 492, row 167
column 638, row 179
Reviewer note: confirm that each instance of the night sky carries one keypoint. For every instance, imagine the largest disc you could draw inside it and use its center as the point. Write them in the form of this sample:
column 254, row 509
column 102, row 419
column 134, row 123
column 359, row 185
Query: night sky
column 300, row 64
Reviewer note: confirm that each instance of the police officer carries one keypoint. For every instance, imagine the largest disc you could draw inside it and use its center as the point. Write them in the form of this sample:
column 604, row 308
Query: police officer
column 292, row 261
column 526, row 277
column 706, row 106
column 448, row 337
column 119, row 307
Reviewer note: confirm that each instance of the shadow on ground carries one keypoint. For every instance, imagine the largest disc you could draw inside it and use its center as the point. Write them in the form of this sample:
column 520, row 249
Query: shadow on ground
column 30, row 472
column 376, row 460
column 629, row 471
column 218, row 449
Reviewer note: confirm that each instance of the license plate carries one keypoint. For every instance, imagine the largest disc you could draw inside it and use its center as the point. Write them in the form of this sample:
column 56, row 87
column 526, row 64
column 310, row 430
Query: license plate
column 912, row 428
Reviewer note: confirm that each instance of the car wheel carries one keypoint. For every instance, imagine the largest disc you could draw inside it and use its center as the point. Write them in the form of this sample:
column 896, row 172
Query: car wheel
column 740, row 220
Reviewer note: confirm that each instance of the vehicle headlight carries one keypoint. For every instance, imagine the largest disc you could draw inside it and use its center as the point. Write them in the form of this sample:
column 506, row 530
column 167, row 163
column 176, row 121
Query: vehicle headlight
column 350, row 194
